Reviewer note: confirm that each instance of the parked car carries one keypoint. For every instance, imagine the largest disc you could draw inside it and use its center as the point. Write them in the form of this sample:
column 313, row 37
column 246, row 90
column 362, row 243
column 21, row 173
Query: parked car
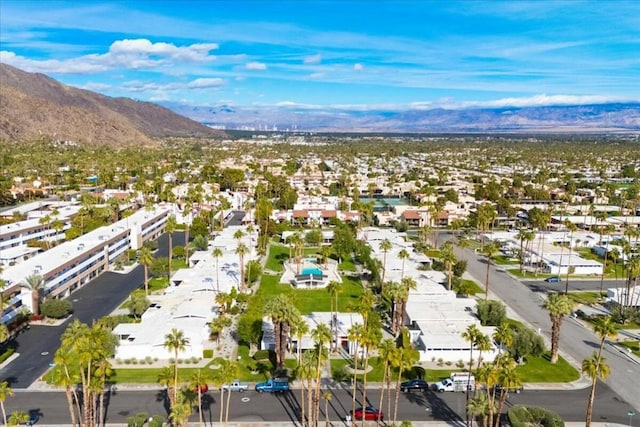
column 553, row 279
column 516, row 390
column 201, row 388
column 236, row 385
column 414, row 384
column 273, row 385
column 369, row 413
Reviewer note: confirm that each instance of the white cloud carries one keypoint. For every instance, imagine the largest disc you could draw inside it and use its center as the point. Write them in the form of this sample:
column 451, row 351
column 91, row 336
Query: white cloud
column 316, row 76
column 205, row 83
column 543, row 100
column 128, row 53
column 256, row 66
column 313, row 59
column 358, row 67
column 96, row 87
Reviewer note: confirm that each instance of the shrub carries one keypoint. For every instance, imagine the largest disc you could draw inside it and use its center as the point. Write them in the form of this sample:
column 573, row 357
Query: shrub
column 491, row 312
column 137, row 420
column 207, row 353
column 149, row 360
column 4, row 356
column 56, row 308
column 261, row 355
column 521, row 416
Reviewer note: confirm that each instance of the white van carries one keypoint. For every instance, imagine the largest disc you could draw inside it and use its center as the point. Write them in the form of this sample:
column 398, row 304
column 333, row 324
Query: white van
column 458, row 381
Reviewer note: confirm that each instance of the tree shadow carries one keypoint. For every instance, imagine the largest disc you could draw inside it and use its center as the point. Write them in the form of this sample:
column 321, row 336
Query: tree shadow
column 440, row 410
column 163, row 396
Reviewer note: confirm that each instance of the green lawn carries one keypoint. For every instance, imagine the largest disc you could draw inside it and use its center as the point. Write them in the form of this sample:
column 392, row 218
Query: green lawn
column 309, row 300
column 347, row 265
column 278, row 254
column 505, row 260
column 540, row 370
column 633, row 345
column 586, row 298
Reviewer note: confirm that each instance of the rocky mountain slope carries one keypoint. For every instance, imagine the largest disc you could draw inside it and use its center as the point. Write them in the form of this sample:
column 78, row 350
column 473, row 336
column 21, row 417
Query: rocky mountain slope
column 34, row 105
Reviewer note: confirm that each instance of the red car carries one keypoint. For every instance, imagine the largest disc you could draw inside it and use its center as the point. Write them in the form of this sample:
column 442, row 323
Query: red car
column 369, row 413
column 202, row 388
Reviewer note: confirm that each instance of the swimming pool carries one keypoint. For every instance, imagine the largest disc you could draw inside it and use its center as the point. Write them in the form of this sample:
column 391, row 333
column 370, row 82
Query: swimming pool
column 313, row 271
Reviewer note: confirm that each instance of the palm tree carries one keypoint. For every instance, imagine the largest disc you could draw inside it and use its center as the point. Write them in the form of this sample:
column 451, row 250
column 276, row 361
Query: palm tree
column 36, row 284
column 355, row 334
column 503, row 335
column 176, row 341
column 241, row 251
column 321, row 335
column 327, row 396
column 448, row 257
column 299, row 328
column 5, row 391
column 4, row 332
column 508, row 379
column 404, row 357
column 180, row 413
column 334, row 288
column 217, row 253
column 186, row 213
column 385, row 246
column 572, row 228
column 489, row 250
column 145, row 257
column 479, row 406
column 594, row 367
column 170, row 228
column 63, row 377
column 198, row 381
column 306, row 371
column 407, row 285
column 472, row 336
column 386, row 351
column 558, row 305
column 403, row 254
column 370, row 339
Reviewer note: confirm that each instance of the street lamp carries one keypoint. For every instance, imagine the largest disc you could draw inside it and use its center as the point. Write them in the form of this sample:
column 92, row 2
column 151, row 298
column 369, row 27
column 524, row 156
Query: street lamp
column 631, row 414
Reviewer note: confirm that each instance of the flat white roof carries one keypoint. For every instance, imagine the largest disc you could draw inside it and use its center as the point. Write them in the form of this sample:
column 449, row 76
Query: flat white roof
column 66, row 251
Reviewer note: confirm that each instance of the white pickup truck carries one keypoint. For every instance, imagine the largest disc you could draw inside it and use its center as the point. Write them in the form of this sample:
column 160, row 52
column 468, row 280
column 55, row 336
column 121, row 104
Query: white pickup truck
column 236, row 385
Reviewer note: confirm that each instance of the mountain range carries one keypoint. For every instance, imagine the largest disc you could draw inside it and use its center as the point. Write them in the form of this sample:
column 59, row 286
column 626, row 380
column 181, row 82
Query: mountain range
column 597, row 118
column 34, row 105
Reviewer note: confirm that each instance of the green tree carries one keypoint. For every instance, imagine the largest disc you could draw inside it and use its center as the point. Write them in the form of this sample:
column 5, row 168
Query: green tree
column 34, row 283
column 217, row 253
column 448, row 257
column 594, row 367
column 558, row 305
column 145, row 257
column 241, row 251
column 5, row 391
column 385, row 247
column 137, row 304
column 199, row 380
column 489, row 250
column 334, row 287
column 170, row 228
column 175, row 341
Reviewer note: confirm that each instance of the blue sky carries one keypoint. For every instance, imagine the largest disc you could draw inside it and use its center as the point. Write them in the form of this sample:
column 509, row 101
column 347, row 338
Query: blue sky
column 355, row 54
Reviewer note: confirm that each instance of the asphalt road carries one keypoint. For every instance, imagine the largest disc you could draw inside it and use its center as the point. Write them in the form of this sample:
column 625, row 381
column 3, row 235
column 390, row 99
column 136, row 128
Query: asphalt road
column 574, row 285
column 96, row 299
column 251, row 406
column 576, row 341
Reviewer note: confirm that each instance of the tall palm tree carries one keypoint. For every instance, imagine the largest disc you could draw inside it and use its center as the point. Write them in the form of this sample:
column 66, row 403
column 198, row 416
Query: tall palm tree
column 508, row 379
column 198, row 381
column 334, row 287
column 386, row 350
column 403, row 254
column 471, row 335
column 558, row 305
column 186, row 213
column 355, row 334
column 479, row 405
column 503, row 335
column 404, row 357
column 36, row 284
column 65, row 376
column 217, row 253
column 370, row 339
column 145, row 257
column 241, row 251
column 5, row 391
column 327, row 396
column 299, row 328
column 572, row 228
column 321, row 335
column 448, row 257
column 306, row 372
column 175, row 341
column 489, row 250
column 385, row 246
column 594, row 367
column 407, row 285
column 170, row 228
